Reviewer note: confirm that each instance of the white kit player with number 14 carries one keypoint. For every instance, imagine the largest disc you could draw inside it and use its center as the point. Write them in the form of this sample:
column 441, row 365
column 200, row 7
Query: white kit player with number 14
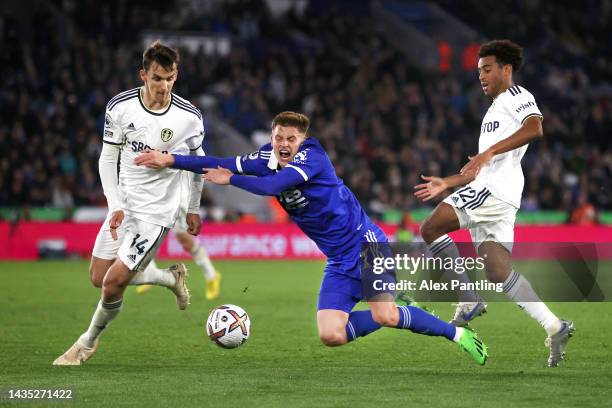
column 143, row 203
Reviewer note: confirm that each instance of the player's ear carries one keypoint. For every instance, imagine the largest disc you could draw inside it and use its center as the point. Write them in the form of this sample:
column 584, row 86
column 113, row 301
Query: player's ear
column 143, row 75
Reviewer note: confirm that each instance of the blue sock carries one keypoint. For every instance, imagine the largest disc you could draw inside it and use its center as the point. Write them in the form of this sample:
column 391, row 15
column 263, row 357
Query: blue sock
column 360, row 324
column 419, row 321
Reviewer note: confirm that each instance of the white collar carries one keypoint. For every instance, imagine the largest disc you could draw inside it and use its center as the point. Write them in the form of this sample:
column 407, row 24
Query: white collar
column 273, row 162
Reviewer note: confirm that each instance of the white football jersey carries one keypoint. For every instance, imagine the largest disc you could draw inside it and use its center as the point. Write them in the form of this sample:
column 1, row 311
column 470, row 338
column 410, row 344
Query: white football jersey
column 503, row 176
column 151, row 195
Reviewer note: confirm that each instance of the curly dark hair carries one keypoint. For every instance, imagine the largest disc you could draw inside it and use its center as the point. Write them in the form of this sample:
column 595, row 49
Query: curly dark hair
column 505, row 52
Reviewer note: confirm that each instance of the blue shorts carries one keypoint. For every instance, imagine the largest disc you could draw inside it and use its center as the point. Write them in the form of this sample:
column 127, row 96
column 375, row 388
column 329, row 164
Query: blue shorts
column 342, row 285
column 340, row 289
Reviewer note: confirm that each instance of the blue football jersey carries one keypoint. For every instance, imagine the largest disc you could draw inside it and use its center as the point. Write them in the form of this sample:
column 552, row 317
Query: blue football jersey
column 322, row 206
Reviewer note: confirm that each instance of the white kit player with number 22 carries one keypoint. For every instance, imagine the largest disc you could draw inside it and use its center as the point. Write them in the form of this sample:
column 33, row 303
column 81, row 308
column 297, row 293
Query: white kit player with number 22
column 491, row 195
column 143, row 203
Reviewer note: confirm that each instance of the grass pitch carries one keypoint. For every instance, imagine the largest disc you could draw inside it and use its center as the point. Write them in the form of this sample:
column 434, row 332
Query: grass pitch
column 155, row 355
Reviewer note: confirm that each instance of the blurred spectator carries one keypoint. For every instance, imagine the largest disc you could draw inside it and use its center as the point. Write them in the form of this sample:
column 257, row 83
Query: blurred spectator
column 382, row 121
column 584, row 213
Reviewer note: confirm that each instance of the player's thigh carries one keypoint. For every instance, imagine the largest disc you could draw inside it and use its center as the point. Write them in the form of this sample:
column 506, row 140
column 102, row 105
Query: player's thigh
column 104, row 252
column 141, row 243
column 105, row 246
column 338, row 295
column 339, row 291
column 492, row 231
column 497, row 260
column 443, row 219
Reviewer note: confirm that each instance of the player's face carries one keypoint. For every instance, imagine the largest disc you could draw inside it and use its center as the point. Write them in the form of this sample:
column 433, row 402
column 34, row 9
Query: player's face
column 491, row 75
column 159, row 82
column 286, row 142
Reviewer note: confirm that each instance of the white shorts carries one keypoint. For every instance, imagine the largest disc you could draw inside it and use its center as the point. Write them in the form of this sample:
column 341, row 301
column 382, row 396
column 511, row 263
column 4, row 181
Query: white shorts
column 106, row 247
column 137, row 243
column 487, row 217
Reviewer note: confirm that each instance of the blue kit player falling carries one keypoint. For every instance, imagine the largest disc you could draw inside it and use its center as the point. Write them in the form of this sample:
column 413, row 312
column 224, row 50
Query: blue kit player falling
column 295, row 168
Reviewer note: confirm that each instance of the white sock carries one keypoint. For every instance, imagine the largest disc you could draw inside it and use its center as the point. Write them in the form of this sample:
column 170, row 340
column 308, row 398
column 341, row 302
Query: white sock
column 104, row 314
column 200, row 256
column 152, row 275
column 458, row 333
column 445, row 247
column 519, row 289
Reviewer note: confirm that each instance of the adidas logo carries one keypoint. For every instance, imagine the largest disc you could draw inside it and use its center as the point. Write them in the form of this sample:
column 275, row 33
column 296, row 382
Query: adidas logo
column 131, row 126
column 132, row 257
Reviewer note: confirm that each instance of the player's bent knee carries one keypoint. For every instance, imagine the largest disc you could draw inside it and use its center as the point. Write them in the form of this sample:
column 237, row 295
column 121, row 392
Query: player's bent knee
column 426, row 231
column 497, row 274
column 111, row 284
column 333, row 338
column 97, row 270
column 429, row 231
column 95, row 278
column 386, row 317
column 116, row 279
column 96, row 281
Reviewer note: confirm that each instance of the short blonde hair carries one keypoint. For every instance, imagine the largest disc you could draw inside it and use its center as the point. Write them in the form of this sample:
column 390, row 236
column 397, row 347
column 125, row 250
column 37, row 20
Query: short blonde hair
column 292, row 119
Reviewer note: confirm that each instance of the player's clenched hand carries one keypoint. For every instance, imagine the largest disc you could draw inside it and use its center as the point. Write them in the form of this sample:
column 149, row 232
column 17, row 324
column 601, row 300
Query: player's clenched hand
column 431, row 189
column 115, row 222
column 154, row 159
column 219, row 175
column 476, row 163
column 194, row 224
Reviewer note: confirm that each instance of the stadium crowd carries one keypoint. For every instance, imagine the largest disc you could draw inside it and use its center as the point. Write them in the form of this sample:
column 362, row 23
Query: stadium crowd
column 382, row 121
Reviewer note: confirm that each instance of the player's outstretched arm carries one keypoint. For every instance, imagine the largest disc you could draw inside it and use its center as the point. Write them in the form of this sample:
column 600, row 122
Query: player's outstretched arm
column 531, row 130
column 263, row 185
column 157, row 160
column 434, row 186
column 107, row 165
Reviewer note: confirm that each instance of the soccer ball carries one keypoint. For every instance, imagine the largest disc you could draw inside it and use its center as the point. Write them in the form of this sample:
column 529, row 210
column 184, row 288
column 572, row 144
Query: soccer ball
column 228, row 326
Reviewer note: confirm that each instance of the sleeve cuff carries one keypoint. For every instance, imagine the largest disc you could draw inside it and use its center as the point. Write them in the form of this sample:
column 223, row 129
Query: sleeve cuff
column 239, row 165
column 531, row 115
column 111, row 143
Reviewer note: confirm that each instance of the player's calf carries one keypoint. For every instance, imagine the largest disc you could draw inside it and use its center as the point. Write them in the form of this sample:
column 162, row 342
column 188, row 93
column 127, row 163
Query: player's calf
column 497, row 261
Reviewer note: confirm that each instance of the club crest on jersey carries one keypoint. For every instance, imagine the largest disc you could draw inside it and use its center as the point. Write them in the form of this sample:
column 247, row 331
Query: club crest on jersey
column 166, row 134
column 300, row 157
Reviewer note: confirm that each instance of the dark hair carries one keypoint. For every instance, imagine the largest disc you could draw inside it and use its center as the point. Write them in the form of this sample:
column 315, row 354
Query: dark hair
column 160, row 53
column 505, row 52
column 293, row 119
